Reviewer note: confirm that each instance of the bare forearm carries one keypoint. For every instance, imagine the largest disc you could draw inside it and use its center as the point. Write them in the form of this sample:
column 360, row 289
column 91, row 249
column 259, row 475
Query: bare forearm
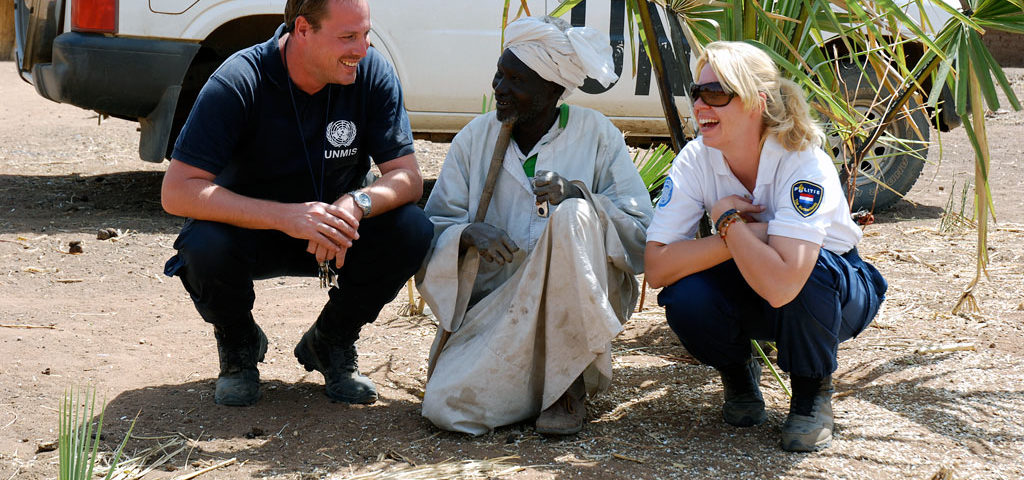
column 776, row 275
column 204, row 200
column 393, row 190
column 401, row 183
column 665, row 264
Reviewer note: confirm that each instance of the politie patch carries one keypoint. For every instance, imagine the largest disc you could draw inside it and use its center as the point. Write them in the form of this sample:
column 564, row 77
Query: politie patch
column 666, row 193
column 806, row 197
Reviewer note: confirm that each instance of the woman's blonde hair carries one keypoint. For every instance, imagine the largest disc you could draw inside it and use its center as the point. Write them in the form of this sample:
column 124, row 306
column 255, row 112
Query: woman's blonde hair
column 747, row 71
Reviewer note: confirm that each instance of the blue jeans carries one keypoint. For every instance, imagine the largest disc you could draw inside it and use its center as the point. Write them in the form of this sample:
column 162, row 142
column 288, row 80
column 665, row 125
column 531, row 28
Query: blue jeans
column 217, row 263
column 716, row 314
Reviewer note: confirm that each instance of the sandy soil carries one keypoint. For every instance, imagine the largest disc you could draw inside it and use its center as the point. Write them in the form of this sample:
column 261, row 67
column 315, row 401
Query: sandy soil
column 108, row 318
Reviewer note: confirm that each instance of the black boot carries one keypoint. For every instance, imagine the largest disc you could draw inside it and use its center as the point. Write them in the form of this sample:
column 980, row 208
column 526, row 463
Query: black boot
column 808, row 426
column 744, row 405
column 337, row 362
column 239, row 381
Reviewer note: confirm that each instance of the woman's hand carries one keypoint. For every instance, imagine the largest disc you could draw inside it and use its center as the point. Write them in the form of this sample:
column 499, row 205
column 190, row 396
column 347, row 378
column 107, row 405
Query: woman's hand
column 743, row 205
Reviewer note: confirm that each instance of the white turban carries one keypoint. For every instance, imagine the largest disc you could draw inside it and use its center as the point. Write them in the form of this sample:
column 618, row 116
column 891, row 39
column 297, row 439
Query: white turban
column 559, row 53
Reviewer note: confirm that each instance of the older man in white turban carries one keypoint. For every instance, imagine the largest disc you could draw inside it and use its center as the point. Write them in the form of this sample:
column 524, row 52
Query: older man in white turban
column 529, row 328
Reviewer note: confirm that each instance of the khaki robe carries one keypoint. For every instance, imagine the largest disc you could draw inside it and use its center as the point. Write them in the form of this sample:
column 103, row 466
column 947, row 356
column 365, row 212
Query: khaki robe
column 524, row 331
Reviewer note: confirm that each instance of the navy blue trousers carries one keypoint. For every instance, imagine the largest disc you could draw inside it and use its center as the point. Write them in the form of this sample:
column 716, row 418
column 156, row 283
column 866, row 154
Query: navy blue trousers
column 217, row 263
column 716, row 314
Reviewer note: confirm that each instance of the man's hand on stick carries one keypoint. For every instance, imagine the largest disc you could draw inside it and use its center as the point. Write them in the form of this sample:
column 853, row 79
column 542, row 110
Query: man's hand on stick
column 493, row 244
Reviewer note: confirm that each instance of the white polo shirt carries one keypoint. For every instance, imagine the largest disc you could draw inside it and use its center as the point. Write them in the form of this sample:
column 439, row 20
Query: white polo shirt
column 800, row 191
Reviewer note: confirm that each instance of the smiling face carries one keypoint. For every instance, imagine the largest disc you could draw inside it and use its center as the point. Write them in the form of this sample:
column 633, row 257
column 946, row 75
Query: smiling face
column 725, row 125
column 520, row 92
column 336, row 48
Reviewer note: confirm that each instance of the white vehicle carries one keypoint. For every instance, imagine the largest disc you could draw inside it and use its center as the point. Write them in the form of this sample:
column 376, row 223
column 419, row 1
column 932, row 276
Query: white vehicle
column 145, row 60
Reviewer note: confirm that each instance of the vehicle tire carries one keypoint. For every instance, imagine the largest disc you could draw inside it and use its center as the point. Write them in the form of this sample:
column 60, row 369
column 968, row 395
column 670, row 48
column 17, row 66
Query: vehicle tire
column 203, row 65
column 894, row 164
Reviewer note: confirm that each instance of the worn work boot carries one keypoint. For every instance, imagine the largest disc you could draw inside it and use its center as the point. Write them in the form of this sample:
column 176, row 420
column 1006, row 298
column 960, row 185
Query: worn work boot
column 808, row 426
column 239, row 381
column 744, row 405
column 566, row 415
column 337, row 362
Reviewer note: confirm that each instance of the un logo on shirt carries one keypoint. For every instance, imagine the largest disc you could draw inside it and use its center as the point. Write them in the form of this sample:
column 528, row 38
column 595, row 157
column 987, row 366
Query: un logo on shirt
column 341, row 133
column 666, row 193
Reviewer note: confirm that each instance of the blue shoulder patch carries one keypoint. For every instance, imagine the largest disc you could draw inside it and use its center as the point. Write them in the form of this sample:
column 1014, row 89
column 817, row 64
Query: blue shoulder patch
column 806, row 197
column 666, row 193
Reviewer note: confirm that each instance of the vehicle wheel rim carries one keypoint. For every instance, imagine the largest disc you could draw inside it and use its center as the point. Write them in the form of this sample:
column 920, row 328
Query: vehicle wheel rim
column 881, row 156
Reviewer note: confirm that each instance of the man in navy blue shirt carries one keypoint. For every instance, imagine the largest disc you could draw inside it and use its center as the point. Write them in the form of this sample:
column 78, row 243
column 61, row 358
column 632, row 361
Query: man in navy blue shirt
column 270, row 169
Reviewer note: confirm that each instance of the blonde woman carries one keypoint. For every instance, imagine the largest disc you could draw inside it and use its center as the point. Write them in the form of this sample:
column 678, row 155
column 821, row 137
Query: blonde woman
column 783, row 265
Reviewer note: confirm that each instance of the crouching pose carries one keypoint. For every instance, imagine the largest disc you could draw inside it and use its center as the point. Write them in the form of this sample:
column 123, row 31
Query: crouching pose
column 783, row 265
column 532, row 302
column 269, row 169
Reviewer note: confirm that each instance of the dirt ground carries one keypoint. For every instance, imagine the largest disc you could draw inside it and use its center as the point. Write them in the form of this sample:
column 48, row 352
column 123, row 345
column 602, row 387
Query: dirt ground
column 109, row 318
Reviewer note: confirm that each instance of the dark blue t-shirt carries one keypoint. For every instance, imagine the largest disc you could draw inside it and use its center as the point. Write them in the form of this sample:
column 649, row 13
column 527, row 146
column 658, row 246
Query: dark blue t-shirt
column 244, row 128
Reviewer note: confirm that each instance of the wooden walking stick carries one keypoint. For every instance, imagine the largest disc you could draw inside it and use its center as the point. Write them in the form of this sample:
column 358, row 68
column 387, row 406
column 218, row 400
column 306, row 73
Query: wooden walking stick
column 497, row 158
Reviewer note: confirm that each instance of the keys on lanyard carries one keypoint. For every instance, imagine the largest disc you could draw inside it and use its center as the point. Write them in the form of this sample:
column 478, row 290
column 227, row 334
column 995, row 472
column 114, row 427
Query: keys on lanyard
column 328, row 277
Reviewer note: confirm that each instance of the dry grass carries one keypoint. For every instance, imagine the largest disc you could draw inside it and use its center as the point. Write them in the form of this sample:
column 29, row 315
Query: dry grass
column 446, row 470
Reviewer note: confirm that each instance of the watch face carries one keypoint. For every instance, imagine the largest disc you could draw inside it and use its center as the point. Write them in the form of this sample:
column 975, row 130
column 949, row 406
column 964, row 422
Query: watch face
column 363, row 200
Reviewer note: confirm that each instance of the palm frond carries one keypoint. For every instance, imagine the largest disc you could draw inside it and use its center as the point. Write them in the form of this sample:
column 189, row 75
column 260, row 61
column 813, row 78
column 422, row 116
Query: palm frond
column 653, row 165
column 78, row 436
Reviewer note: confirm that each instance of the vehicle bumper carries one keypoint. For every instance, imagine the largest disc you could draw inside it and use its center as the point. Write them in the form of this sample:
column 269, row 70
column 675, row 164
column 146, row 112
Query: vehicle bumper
column 124, row 77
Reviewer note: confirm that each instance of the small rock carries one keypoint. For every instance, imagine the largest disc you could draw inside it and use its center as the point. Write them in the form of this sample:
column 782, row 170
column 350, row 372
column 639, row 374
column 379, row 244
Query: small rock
column 46, row 446
column 46, row 371
column 254, row 432
column 75, row 247
column 992, row 345
column 106, row 233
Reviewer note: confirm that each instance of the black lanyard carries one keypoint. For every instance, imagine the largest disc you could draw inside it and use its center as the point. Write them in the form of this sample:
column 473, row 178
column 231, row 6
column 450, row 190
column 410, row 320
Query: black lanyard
column 319, row 192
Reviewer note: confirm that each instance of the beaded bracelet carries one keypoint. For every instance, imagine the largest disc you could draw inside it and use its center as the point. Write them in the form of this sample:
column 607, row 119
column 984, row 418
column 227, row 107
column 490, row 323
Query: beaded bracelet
column 723, row 216
column 726, row 220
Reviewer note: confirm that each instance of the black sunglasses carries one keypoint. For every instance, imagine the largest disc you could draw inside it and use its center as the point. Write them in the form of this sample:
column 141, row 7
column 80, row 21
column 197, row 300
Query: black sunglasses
column 712, row 93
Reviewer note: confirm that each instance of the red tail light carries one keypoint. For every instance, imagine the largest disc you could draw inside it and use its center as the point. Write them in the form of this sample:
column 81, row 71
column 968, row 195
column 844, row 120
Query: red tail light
column 94, row 16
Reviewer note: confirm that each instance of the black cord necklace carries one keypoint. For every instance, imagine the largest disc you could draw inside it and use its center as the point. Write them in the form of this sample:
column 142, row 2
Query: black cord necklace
column 328, row 278
column 319, row 192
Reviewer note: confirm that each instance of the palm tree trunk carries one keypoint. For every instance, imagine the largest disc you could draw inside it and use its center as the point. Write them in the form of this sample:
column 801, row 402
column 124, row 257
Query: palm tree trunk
column 668, row 103
column 981, row 191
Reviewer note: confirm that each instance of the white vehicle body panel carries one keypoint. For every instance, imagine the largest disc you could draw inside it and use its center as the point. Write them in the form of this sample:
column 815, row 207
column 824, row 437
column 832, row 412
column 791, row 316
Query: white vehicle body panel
column 443, row 51
column 445, row 55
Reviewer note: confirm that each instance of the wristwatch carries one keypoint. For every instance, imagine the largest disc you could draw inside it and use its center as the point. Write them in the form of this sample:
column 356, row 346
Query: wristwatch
column 362, row 200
